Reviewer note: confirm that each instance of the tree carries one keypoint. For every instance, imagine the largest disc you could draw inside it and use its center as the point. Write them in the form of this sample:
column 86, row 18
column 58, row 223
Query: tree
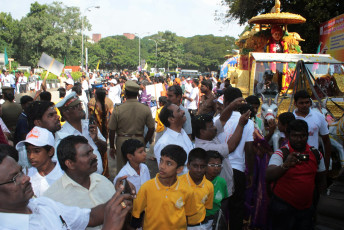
column 315, row 12
column 52, row 29
column 9, row 33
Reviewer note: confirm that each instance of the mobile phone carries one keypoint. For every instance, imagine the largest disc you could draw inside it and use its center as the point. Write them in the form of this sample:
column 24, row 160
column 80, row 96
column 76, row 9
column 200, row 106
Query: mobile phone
column 303, row 157
column 92, row 120
column 127, row 189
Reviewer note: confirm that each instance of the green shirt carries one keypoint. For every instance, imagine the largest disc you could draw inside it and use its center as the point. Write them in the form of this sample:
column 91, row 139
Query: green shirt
column 220, row 192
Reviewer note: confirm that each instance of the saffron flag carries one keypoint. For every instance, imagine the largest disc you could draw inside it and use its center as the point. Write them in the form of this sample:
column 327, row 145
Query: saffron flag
column 98, row 65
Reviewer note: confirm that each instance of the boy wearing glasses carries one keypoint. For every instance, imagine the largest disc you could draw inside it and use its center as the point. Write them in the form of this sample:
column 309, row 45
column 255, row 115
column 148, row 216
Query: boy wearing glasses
column 203, row 188
column 220, row 186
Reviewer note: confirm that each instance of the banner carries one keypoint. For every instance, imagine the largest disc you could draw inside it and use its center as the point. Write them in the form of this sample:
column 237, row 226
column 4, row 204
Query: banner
column 332, row 37
column 50, row 64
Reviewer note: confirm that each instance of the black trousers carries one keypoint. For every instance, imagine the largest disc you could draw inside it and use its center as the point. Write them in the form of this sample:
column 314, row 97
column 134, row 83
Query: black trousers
column 237, row 201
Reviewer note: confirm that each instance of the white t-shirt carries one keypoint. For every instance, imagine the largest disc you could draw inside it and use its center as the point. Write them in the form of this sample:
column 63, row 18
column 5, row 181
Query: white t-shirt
column 134, row 178
column 67, row 129
column 41, row 183
column 237, row 158
column 188, row 88
column 84, row 85
column 46, row 214
column 316, row 125
column 193, row 95
column 172, row 137
column 114, row 94
column 91, row 82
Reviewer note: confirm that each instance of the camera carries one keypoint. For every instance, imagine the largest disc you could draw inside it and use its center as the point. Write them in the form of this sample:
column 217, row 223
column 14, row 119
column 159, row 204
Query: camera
column 302, row 157
column 245, row 107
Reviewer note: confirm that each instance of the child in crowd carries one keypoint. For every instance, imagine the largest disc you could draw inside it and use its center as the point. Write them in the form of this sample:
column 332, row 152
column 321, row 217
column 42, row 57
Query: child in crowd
column 134, row 153
column 166, row 199
column 220, row 186
column 283, row 120
column 44, row 172
column 203, row 188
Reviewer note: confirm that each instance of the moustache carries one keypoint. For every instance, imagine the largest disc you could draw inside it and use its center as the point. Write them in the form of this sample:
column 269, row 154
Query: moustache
column 93, row 161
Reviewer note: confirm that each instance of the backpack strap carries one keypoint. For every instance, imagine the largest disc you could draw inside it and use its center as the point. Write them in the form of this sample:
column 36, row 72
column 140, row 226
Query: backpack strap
column 316, row 153
column 285, row 152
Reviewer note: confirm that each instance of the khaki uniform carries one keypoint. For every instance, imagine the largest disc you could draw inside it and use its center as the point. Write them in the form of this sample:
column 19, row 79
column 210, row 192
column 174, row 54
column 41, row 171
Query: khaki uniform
column 10, row 114
column 129, row 120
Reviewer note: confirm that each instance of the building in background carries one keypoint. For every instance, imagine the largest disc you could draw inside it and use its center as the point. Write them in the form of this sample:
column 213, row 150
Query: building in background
column 96, row 37
column 129, row 36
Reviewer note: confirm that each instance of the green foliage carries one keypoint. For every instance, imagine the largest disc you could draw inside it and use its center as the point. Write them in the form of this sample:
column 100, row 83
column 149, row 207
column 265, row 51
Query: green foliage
column 56, row 30
column 53, row 29
column 315, row 12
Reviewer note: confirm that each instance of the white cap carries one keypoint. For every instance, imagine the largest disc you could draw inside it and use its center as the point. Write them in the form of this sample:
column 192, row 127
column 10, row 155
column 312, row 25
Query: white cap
column 2, row 101
column 38, row 137
column 69, row 81
column 113, row 81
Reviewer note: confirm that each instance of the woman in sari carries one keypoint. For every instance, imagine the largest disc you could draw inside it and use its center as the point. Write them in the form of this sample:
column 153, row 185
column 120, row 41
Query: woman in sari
column 256, row 202
column 100, row 114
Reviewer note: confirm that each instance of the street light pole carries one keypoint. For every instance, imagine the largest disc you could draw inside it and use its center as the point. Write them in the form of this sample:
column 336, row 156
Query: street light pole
column 82, row 34
column 156, row 54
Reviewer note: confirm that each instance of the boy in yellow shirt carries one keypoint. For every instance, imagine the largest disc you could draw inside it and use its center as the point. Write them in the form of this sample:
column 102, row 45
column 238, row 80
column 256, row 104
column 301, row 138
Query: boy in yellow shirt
column 166, row 199
column 203, row 188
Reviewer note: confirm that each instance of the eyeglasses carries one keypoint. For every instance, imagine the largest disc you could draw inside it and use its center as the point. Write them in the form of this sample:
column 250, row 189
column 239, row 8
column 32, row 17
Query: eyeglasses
column 215, row 165
column 14, row 179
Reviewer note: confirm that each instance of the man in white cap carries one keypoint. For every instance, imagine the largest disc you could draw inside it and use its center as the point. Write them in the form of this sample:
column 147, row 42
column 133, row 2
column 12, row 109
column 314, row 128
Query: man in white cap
column 114, row 92
column 69, row 85
column 39, row 144
column 72, row 112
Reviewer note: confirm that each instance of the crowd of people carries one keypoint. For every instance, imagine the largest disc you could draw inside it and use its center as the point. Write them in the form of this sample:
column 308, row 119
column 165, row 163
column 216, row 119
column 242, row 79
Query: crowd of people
column 216, row 165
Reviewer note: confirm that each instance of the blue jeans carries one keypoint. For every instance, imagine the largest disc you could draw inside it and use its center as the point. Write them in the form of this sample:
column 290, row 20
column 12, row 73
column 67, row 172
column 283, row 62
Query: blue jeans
column 283, row 216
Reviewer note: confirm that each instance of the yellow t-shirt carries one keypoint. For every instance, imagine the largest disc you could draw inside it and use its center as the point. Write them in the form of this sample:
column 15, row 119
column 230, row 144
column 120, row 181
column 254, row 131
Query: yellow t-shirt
column 165, row 207
column 160, row 126
column 204, row 194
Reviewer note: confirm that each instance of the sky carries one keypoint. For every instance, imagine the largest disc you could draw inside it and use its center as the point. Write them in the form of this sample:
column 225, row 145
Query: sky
column 144, row 17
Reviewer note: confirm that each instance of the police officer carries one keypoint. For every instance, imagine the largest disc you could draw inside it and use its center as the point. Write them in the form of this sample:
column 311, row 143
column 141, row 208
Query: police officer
column 128, row 121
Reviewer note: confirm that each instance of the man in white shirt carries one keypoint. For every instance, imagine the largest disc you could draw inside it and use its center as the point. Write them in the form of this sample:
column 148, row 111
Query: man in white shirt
column 22, row 81
column 114, row 92
column 317, row 124
column 187, row 90
column 173, row 118
column 192, row 100
column 18, row 211
column 91, row 81
column 71, row 110
column 243, row 155
column 84, row 86
column 7, row 79
column 174, row 96
column 69, row 85
column 80, row 186
column 207, row 137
